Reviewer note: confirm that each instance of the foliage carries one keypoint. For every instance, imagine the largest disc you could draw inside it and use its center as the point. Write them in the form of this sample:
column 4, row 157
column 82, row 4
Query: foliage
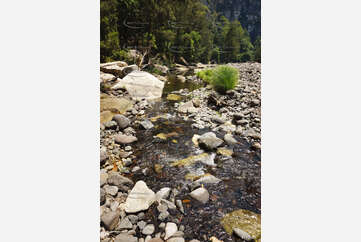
column 205, row 75
column 171, row 30
column 224, row 78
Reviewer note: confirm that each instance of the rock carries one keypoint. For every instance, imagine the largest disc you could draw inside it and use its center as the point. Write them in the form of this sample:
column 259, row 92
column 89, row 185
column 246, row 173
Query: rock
column 194, row 240
column 140, row 84
column 120, row 181
column 179, row 205
column 224, row 152
column 122, row 121
column 218, row 119
column 146, row 124
column 103, row 179
column 125, row 224
column 105, row 116
column 209, row 141
column 133, row 218
column 196, row 102
column 181, row 78
column 110, row 220
column 148, row 238
column 230, row 140
column 176, row 239
column 187, row 107
column 141, row 224
column 125, row 238
column 117, row 63
column 103, row 155
column 111, row 190
column 170, row 229
column 112, row 104
column 201, row 194
column 124, row 139
column 156, row 240
column 162, row 207
column 162, row 225
column 140, row 198
column 256, row 145
column 163, row 215
column 163, row 193
column 130, row 69
column 169, row 204
column 106, row 77
column 149, row 229
column 207, row 179
column 205, row 158
column 102, row 196
column 173, row 97
column 110, row 125
column 242, row 234
column 112, row 69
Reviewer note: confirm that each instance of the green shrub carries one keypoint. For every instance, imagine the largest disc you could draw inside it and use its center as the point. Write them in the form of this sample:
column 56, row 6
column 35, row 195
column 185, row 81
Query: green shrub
column 205, row 75
column 224, row 78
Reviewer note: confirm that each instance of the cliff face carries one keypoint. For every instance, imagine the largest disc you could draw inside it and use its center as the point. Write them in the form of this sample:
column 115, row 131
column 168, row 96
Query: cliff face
column 247, row 12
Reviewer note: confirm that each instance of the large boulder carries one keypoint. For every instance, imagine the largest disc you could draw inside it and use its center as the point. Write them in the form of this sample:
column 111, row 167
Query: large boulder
column 140, row 84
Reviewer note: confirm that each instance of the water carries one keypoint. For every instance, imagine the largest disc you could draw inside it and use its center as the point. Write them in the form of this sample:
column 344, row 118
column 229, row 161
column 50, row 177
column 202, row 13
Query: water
column 240, row 174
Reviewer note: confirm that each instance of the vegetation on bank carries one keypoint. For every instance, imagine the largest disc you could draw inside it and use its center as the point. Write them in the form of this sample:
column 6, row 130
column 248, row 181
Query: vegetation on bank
column 223, row 78
column 169, row 30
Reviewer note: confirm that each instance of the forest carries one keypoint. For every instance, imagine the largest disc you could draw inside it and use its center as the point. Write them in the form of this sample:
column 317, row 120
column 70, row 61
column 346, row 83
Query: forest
column 170, row 31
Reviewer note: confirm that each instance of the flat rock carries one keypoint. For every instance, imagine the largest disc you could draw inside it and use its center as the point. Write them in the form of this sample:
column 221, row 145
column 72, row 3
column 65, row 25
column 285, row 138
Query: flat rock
column 140, row 198
column 209, row 141
column 140, row 84
column 125, row 139
column 201, row 194
column 170, row 229
column 122, row 121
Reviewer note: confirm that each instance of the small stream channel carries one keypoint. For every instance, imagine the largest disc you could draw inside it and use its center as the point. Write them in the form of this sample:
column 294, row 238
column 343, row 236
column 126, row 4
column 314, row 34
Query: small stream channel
column 240, row 174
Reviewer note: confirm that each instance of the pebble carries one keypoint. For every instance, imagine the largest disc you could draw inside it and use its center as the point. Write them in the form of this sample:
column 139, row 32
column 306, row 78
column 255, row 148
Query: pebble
column 201, row 194
column 163, row 193
column 111, row 190
column 141, row 224
column 163, row 215
column 242, row 234
column 230, row 140
column 121, row 120
column 125, row 238
column 176, row 239
column 209, row 141
column 149, row 229
column 170, row 229
column 140, row 198
column 179, row 205
column 124, row 139
column 146, row 124
column 110, row 220
column 125, row 224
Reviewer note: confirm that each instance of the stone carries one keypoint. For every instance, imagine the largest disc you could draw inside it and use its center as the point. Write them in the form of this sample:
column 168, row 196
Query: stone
column 105, row 116
column 112, row 69
column 201, row 194
column 102, row 196
column 106, row 77
column 103, row 155
column 181, row 78
column 180, row 205
column 169, row 204
column 148, row 229
column 124, row 139
column 149, row 237
column 103, row 178
column 133, row 218
column 242, row 234
column 209, row 141
column 207, row 179
column 176, row 239
column 161, row 68
column 111, row 190
column 162, row 208
column 163, row 215
column 245, row 220
column 110, row 220
column 224, row 152
column 205, row 158
column 161, row 225
column 146, row 124
column 115, row 105
column 140, row 198
column 141, row 224
column 140, row 84
column 170, row 229
column 118, row 180
column 230, row 140
column 156, row 240
column 173, row 97
column 194, row 240
column 123, row 237
column 110, row 124
column 122, row 121
column 196, row 102
column 217, row 119
column 187, row 107
column 125, row 224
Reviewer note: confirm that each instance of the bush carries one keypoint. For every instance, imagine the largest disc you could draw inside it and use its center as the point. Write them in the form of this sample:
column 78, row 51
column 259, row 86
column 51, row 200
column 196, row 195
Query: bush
column 224, row 78
column 205, row 75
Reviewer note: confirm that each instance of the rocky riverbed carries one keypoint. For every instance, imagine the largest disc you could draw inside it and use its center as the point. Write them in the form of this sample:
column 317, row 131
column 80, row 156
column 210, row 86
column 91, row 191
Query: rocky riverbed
column 180, row 164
